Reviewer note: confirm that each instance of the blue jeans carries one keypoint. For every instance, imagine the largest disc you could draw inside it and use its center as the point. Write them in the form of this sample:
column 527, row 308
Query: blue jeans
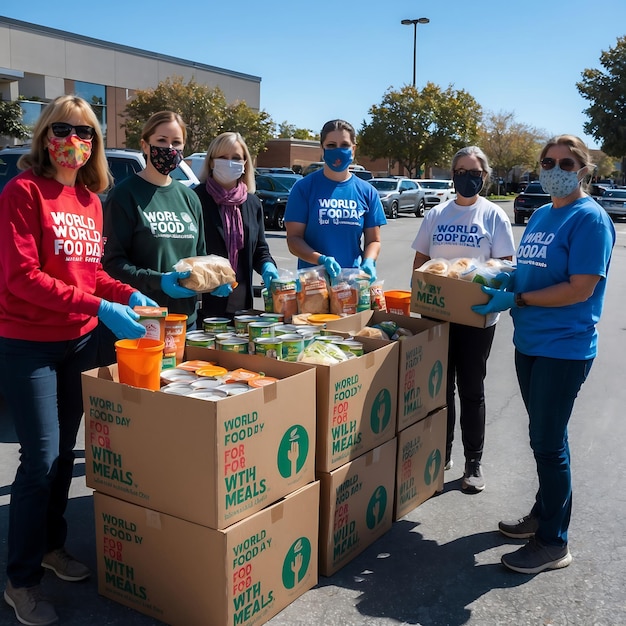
column 549, row 388
column 41, row 384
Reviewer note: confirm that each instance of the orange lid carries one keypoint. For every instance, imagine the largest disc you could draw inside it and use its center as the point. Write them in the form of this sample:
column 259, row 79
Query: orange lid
column 262, row 381
column 151, row 311
column 192, row 366
column 211, row 370
column 242, row 374
column 322, row 318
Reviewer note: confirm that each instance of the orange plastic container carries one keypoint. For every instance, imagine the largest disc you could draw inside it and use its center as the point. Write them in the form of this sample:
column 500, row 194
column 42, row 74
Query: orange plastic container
column 175, row 333
column 398, row 302
column 139, row 362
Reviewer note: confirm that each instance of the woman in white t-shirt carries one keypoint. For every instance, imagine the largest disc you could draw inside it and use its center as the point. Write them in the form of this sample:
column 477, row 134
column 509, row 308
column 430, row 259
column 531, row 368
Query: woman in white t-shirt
column 469, row 226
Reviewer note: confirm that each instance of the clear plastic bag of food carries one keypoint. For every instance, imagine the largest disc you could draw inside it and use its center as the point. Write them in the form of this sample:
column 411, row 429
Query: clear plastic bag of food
column 207, row 272
column 284, row 294
column 314, row 296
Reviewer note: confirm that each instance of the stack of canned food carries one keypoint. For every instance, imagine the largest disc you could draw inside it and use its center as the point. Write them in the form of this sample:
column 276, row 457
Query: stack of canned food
column 266, row 335
column 207, row 381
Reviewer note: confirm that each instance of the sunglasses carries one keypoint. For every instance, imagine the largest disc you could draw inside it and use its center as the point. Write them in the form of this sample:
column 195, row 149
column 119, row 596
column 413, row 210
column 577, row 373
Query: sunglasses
column 567, row 164
column 462, row 172
column 61, row 129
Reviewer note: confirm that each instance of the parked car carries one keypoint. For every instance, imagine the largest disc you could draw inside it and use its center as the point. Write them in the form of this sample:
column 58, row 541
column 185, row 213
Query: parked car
column 122, row 163
column 614, row 202
column 596, row 190
column 400, row 195
column 530, row 199
column 437, row 191
column 273, row 190
column 357, row 170
column 273, row 170
column 195, row 161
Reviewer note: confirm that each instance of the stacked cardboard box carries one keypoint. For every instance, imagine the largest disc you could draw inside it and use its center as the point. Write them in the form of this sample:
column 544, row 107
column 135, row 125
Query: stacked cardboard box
column 421, row 419
column 206, row 512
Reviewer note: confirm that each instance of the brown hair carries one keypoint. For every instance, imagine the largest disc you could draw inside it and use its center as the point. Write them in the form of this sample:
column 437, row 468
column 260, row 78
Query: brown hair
column 94, row 174
column 333, row 125
column 162, row 117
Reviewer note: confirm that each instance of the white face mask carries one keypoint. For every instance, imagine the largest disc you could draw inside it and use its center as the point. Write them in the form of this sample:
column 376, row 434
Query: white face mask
column 226, row 171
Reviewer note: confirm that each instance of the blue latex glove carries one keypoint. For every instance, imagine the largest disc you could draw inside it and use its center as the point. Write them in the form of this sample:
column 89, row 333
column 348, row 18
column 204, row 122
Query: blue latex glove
column 506, row 281
column 138, row 299
column 121, row 319
column 332, row 267
column 269, row 273
column 500, row 301
column 369, row 267
column 169, row 284
column 223, row 291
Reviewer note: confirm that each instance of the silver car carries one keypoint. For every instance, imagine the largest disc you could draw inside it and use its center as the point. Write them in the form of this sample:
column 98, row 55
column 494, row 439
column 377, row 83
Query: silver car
column 400, row 195
column 614, row 202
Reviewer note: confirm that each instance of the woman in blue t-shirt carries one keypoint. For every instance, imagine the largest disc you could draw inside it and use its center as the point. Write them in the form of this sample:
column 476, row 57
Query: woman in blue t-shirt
column 556, row 299
column 331, row 210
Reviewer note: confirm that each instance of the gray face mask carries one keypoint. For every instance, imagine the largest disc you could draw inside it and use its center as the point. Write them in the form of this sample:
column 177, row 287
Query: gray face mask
column 559, row 183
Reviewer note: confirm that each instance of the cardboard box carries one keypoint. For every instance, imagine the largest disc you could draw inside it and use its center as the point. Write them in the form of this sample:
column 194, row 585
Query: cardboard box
column 356, row 506
column 422, row 362
column 449, row 299
column 421, row 454
column 187, row 574
column 209, row 462
column 356, row 404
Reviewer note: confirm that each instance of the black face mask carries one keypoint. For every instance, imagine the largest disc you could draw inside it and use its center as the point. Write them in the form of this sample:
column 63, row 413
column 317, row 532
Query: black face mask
column 467, row 185
column 165, row 159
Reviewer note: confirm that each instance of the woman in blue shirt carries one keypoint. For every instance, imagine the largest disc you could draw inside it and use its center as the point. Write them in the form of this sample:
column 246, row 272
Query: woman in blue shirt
column 556, row 299
column 331, row 210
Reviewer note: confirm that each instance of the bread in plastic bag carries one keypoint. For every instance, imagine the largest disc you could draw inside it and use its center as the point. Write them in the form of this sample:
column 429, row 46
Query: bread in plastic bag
column 207, row 272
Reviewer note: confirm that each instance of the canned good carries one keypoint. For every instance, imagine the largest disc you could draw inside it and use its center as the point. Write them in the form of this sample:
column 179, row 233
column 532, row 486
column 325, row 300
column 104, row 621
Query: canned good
column 307, row 330
column 293, row 344
column 201, row 339
column 233, row 344
column 234, row 389
column 213, row 394
column 258, row 329
column 285, row 329
column 227, row 334
column 204, row 384
column 277, row 318
column 176, row 375
column 355, row 347
column 242, row 321
column 177, row 389
column 331, row 338
column 270, row 347
column 215, row 324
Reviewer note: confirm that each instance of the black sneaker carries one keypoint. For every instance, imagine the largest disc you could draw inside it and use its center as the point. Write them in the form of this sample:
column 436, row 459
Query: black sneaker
column 536, row 557
column 523, row 528
column 473, row 477
column 30, row 605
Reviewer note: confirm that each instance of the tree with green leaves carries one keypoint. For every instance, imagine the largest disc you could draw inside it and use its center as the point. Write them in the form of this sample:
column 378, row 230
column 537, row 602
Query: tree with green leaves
column 289, row 131
column 418, row 128
column 606, row 90
column 11, row 124
column 204, row 110
column 508, row 143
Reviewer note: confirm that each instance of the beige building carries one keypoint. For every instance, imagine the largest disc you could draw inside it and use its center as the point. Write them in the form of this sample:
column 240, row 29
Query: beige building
column 39, row 63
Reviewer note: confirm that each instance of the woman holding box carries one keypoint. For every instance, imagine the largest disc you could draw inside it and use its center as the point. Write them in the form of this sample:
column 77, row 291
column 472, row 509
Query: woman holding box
column 469, row 347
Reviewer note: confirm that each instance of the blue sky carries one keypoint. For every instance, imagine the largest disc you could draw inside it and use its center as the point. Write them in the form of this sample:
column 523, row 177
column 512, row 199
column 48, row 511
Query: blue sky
column 331, row 58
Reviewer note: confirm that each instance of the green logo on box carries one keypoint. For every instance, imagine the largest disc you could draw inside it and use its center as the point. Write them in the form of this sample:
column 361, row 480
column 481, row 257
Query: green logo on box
column 296, row 562
column 293, row 451
column 381, row 411
column 435, row 379
column 433, row 465
column 376, row 507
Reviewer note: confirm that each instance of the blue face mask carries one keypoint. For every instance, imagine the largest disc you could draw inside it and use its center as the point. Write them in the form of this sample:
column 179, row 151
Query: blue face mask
column 338, row 159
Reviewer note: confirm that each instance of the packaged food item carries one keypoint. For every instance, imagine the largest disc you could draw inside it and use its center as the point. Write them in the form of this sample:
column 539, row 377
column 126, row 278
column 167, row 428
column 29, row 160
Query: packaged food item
column 323, row 353
column 436, row 266
column 283, row 295
column 377, row 296
column 152, row 318
column 313, row 296
column 207, row 272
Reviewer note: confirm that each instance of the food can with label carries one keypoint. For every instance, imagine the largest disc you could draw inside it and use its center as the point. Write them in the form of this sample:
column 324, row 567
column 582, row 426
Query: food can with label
column 200, row 339
column 259, row 329
column 215, row 324
column 233, row 344
column 293, row 344
column 270, row 347
column 242, row 321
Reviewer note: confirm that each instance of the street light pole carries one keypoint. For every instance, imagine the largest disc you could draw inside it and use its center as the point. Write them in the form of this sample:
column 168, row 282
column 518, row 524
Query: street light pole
column 421, row 20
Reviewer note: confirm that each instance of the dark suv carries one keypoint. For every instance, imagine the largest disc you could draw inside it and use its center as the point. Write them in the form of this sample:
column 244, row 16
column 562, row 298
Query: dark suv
column 273, row 190
column 530, row 199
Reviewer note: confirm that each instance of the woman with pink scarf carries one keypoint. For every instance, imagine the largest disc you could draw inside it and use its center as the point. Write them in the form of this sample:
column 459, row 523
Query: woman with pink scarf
column 233, row 224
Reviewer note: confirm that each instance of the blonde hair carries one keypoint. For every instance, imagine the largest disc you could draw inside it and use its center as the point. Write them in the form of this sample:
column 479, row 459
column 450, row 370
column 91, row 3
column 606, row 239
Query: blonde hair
column 227, row 140
column 94, row 174
column 578, row 148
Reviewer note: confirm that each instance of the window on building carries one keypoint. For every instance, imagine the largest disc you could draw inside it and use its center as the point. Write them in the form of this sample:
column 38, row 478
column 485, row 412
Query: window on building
column 31, row 111
column 96, row 95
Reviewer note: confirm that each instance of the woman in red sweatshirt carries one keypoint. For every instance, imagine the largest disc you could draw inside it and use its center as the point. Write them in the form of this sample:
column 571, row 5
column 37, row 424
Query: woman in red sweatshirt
column 52, row 292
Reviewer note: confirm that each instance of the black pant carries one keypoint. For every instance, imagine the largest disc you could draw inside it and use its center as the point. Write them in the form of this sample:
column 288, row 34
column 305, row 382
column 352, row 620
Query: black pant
column 468, row 352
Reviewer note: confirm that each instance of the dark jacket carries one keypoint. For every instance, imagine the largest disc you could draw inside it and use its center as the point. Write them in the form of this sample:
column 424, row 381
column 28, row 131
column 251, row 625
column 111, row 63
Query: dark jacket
column 254, row 254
